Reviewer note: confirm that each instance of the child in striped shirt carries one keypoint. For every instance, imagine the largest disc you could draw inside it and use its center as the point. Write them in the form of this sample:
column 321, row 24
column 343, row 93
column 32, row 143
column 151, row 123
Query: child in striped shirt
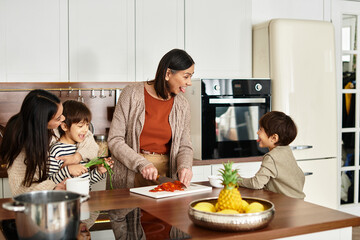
column 73, row 131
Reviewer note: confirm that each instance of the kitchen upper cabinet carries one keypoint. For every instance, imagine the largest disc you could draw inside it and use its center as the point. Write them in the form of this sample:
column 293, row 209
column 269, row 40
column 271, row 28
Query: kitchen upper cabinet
column 218, row 37
column 121, row 40
column 159, row 28
column 265, row 10
column 101, row 40
column 33, row 44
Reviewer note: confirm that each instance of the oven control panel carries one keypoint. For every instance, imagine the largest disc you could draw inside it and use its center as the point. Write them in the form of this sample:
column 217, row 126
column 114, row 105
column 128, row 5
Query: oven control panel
column 235, row 87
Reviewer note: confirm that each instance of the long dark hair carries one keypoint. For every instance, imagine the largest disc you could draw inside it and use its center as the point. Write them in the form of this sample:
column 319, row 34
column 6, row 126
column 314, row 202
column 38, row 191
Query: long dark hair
column 175, row 60
column 28, row 131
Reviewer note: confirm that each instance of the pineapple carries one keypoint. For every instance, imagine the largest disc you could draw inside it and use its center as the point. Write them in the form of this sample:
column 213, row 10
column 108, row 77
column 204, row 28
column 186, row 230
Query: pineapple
column 229, row 197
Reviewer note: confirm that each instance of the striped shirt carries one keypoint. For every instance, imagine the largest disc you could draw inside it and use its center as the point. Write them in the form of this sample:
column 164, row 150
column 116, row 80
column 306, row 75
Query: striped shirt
column 57, row 173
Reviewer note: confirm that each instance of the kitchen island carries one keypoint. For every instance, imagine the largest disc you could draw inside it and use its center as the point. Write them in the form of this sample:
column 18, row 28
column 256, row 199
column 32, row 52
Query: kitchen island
column 292, row 216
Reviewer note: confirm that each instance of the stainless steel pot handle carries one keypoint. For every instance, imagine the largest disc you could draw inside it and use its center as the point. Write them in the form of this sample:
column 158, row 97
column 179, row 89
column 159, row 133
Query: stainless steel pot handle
column 18, row 207
column 13, row 206
column 84, row 198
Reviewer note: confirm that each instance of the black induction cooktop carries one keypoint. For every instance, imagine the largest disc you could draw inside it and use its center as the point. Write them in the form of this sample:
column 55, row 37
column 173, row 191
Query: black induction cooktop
column 127, row 224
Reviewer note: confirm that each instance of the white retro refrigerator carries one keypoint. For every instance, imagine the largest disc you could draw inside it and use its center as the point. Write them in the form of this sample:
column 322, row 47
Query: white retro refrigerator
column 299, row 57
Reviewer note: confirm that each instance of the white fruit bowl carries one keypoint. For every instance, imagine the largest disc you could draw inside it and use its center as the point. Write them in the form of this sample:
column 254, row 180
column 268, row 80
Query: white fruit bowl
column 232, row 222
column 215, row 181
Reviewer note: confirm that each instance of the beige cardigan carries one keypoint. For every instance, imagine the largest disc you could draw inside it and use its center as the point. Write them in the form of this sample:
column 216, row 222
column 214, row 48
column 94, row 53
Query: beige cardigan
column 88, row 149
column 125, row 130
column 278, row 173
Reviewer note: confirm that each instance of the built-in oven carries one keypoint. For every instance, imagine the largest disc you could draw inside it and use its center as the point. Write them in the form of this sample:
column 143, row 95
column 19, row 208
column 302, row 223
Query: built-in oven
column 225, row 124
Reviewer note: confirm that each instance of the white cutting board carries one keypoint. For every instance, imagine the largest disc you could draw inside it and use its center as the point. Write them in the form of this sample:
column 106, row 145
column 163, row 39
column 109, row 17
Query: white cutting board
column 193, row 188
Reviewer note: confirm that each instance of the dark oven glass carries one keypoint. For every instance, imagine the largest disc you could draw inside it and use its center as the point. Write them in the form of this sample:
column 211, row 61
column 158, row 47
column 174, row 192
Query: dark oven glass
column 230, row 123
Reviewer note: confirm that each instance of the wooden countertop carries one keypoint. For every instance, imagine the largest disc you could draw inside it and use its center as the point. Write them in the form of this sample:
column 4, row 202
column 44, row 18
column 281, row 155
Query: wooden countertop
column 292, row 216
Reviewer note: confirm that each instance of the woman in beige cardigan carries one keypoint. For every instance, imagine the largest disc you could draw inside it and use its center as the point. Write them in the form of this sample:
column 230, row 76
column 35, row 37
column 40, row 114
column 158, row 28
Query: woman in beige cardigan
column 144, row 145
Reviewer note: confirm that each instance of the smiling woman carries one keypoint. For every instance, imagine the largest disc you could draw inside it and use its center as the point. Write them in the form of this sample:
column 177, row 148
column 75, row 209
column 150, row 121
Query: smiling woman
column 150, row 130
column 27, row 137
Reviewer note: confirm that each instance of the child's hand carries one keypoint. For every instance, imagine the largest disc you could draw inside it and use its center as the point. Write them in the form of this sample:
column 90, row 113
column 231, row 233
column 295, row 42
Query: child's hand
column 70, row 159
column 102, row 169
column 77, row 170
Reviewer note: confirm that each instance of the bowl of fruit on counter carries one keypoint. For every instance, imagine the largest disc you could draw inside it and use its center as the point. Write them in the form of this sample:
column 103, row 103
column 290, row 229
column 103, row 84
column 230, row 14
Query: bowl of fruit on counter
column 230, row 211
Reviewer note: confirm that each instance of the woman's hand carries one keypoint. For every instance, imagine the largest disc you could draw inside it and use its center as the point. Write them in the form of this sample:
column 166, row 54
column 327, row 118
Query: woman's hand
column 150, row 172
column 102, row 169
column 70, row 159
column 77, row 170
column 83, row 233
column 61, row 186
column 185, row 175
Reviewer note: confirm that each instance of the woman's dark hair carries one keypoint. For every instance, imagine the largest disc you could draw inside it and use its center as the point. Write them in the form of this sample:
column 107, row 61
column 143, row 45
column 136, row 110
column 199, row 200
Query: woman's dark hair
column 74, row 112
column 175, row 60
column 28, row 131
column 281, row 124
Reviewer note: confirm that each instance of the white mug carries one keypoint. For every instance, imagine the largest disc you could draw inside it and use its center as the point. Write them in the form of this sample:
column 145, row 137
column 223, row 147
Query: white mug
column 78, row 185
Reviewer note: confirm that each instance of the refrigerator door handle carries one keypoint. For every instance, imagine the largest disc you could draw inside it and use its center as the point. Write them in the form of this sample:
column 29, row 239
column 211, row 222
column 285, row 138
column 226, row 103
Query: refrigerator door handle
column 308, row 173
column 301, row 147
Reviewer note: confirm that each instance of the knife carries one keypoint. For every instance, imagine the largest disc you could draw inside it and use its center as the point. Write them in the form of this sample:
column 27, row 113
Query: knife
column 163, row 179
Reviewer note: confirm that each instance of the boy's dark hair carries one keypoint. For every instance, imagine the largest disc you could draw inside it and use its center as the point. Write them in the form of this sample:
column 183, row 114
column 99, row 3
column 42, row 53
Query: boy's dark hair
column 281, row 124
column 75, row 112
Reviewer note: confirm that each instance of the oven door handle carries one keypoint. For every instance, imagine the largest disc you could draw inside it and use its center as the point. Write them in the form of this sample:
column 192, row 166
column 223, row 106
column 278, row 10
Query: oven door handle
column 236, row 100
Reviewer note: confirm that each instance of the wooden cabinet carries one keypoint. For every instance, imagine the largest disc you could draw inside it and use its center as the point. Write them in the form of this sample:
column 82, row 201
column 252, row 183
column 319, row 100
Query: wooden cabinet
column 33, row 46
column 320, row 181
column 218, row 37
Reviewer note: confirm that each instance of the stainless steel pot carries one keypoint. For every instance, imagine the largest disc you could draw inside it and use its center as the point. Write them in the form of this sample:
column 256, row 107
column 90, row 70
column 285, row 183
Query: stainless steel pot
column 46, row 214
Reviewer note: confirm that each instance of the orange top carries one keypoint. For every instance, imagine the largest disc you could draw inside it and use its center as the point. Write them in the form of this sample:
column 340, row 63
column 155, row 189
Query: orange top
column 156, row 134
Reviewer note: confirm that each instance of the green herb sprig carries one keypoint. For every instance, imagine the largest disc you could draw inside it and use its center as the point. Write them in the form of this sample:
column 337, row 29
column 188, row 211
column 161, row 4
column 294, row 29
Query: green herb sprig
column 101, row 160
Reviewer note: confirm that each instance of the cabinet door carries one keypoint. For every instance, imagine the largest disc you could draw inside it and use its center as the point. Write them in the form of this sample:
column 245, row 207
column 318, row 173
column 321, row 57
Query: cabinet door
column 159, row 28
column 245, row 169
column 218, row 37
column 101, row 40
column 265, row 10
column 201, row 173
column 320, row 181
column 33, row 46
